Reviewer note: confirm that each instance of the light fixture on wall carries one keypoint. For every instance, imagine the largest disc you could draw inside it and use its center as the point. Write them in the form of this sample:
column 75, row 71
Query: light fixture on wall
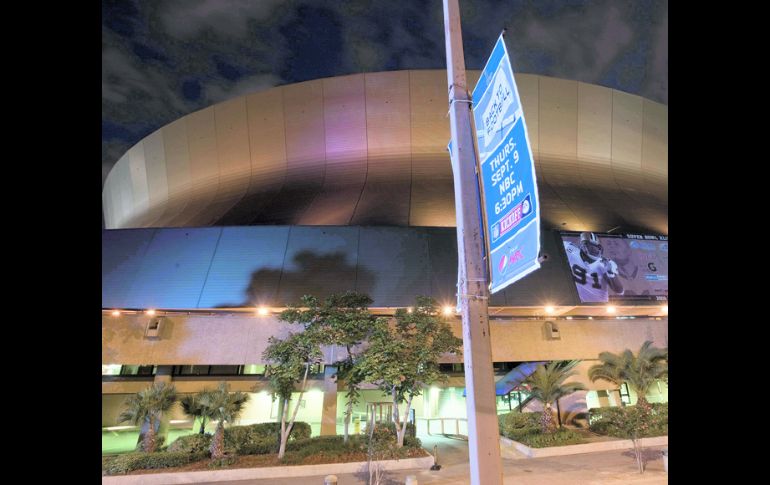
column 115, row 313
column 154, row 327
column 611, row 309
column 262, row 311
column 552, row 331
column 549, row 309
column 150, row 312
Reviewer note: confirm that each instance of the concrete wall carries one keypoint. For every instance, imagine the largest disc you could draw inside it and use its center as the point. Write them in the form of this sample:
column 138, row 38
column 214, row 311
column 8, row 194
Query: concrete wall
column 237, row 340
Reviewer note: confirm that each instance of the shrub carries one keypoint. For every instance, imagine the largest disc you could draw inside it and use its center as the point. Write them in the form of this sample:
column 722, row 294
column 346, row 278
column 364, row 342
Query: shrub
column 517, row 425
column 412, row 442
column 525, row 428
column 261, row 438
column 238, row 436
column 107, row 460
column 607, row 421
column 300, row 431
column 326, row 444
column 123, row 464
column 561, row 437
column 600, row 419
column 411, row 430
column 659, row 420
column 192, row 443
column 263, row 446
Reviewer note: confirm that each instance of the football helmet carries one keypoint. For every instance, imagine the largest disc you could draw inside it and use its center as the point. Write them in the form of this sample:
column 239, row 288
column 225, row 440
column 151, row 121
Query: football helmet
column 589, row 245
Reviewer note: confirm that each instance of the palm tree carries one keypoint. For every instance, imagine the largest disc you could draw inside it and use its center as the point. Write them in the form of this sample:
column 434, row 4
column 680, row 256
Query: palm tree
column 191, row 405
column 639, row 371
column 547, row 385
column 149, row 405
column 224, row 406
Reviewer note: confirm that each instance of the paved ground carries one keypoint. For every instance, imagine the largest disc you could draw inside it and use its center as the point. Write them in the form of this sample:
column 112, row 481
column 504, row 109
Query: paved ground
column 610, row 467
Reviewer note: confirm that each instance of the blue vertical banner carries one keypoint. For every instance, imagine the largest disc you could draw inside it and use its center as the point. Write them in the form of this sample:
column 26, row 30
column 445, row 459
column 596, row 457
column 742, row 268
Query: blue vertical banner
column 510, row 202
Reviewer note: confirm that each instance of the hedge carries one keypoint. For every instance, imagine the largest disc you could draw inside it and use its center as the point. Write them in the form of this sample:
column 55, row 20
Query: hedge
column 602, row 420
column 122, row 464
column 192, row 443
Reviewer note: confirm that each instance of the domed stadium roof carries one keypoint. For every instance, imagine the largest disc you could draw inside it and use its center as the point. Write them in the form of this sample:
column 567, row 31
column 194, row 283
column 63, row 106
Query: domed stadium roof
column 370, row 149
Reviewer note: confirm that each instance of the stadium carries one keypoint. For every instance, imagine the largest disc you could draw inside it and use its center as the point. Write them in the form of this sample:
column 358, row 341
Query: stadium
column 219, row 220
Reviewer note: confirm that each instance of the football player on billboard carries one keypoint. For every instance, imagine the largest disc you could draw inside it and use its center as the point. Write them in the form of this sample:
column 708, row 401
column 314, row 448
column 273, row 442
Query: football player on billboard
column 592, row 272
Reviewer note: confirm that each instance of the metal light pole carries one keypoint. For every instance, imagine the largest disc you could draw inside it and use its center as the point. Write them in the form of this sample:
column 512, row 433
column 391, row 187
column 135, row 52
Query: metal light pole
column 483, row 435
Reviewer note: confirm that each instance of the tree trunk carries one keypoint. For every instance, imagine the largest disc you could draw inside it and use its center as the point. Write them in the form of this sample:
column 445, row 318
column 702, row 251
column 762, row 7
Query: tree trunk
column 149, row 437
column 348, row 414
column 281, row 407
column 203, row 425
column 402, row 430
column 394, row 415
column 284, row 436
column 642, row 402
column 218, row 442
column 282, row 448
column 638, row 454
column 546, row 421
column 286, row 430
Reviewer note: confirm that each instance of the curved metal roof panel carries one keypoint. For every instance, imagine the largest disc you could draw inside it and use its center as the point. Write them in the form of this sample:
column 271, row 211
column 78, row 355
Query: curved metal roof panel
column 370, row 149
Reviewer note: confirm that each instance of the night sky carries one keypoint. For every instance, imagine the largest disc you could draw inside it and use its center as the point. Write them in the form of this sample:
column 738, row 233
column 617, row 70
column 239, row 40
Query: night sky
column 163, row 59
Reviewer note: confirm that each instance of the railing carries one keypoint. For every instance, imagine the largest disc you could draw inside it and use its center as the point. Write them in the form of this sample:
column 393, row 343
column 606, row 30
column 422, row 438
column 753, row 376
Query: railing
column 441, row 420
column 520, row 407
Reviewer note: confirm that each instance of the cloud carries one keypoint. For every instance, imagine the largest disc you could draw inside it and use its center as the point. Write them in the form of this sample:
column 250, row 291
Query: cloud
column 216, row 92
column 185, row 19
column 162, row 60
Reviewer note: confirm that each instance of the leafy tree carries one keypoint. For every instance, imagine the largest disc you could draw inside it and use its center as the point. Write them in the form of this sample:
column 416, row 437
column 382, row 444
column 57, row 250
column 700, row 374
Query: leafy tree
column 547, row 385
column 632, row 422
column 344, row 320
column 223, row 405
column 640, row 371
column 149, row 405
column 290, row 360
column 402, row 356
column 192, row 406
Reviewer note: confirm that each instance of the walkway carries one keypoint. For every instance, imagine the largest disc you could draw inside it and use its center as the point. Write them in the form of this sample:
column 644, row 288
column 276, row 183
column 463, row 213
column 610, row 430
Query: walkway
column 611, row 467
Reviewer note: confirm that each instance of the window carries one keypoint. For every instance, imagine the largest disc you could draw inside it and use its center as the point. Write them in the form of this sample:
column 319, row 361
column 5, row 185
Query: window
column 625, row 396
column 111, row 370
column 137, row 370
column 253, row 369
column 191, row 370
column 224, row 370
column 503, row 366
column 220, row 370
column 451, row 368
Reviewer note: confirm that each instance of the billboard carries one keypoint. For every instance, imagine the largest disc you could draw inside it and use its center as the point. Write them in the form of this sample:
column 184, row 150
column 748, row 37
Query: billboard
column 510, row 202
column 617, row 267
